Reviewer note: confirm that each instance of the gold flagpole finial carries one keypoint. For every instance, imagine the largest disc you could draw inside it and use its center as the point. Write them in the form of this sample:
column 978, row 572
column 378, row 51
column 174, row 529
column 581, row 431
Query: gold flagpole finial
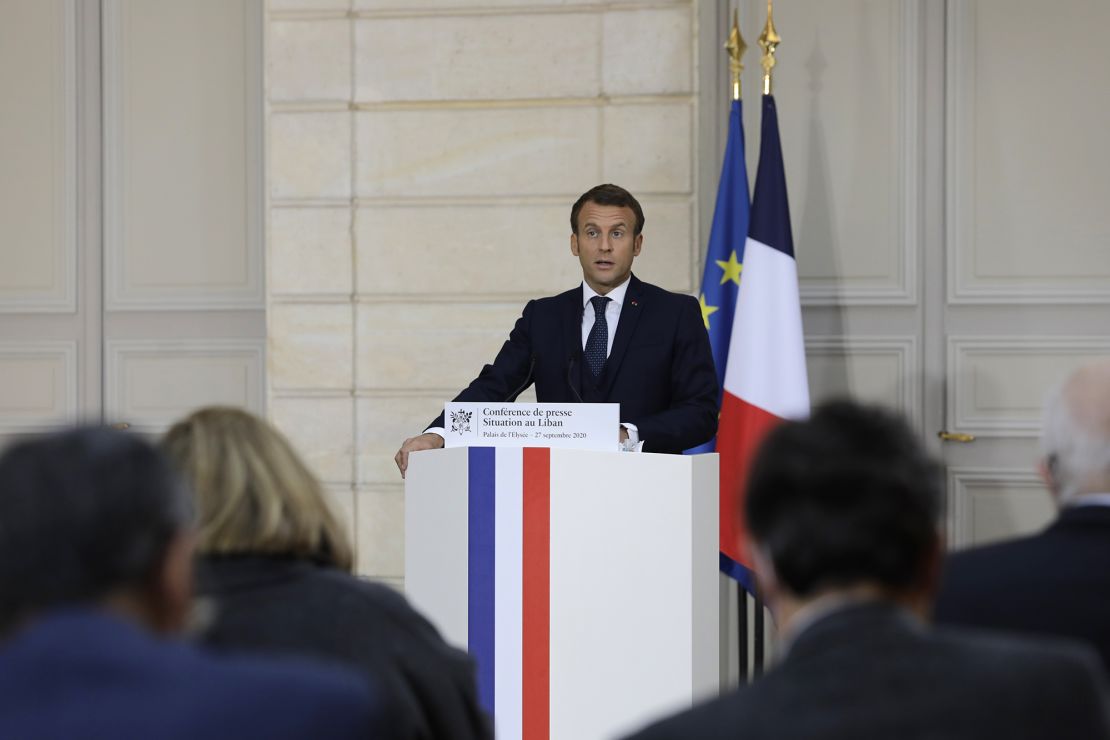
column 736, row 48
column 768, row 41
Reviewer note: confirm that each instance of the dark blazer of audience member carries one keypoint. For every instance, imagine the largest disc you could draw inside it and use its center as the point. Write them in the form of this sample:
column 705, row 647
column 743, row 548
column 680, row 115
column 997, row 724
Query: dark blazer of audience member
column 95, row 575
column 276, row 567
column 1055, row 582
column 843, row 512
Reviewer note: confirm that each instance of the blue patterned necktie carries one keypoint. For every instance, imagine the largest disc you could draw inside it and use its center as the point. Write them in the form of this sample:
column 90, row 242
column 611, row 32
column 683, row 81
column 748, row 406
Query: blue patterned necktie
column 597, row 343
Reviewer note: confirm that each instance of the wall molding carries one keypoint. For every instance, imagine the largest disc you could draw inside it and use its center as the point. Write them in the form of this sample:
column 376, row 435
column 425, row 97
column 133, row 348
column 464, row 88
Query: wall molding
column 62, row 296
column 960, row 517
column 902, row 347
column 904, row 292
column 405, row 10
column 119, row 353
column 120, row 293
column 960, row 123
column 65, row 412
column 958, row 399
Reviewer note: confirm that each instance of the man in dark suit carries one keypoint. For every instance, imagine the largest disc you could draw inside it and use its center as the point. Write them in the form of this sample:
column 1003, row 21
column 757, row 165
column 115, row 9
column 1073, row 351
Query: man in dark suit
column 843, row 512
column 1055, row 582
column 613, row 339
column 95, row 572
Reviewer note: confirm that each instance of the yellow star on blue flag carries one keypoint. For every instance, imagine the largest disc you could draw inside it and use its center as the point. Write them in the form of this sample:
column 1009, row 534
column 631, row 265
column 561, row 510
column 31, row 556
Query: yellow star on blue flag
column 706, row 311
column 731, row 268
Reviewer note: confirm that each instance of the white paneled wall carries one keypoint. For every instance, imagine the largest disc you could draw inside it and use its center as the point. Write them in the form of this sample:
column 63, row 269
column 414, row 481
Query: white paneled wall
column 875, row 369
column 182, row 155
column 152, row 383
column 131, row 262
column 423, row 158
column 997, row 384
column 183, row 258
column 1027, row 268
column 38, row 385
column 989, row 505
column 38, row 140
column 848, row 91
column 1029, row 172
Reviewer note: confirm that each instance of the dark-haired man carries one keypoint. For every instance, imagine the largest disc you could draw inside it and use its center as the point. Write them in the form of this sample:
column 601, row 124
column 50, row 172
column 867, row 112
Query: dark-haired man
column 843, row 512
column 612, row 339
column 95, row 574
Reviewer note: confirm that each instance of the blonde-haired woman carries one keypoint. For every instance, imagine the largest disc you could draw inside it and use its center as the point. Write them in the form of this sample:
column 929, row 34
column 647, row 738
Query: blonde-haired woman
column 276, row 566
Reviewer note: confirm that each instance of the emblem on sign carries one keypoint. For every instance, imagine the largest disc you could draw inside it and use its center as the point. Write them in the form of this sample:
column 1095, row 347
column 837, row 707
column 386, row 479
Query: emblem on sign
column 460, row 421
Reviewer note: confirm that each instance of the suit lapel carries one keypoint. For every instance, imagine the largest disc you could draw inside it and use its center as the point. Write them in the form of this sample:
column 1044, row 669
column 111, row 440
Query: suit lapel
column 572, row 341
column 626, row 326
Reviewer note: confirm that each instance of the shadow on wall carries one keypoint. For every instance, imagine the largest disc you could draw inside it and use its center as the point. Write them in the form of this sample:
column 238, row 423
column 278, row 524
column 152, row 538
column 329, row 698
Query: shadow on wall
column 817, row 229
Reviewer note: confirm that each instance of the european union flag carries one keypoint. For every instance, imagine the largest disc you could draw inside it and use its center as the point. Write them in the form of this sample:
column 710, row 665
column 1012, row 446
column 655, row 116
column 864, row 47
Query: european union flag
column 724, row 257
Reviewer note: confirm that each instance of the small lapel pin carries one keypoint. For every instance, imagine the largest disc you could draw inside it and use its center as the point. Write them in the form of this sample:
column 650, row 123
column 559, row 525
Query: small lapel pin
column 634, row 302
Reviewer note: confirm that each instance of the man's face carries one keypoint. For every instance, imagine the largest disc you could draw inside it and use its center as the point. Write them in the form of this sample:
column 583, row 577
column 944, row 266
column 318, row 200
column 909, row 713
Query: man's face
column 605, row 245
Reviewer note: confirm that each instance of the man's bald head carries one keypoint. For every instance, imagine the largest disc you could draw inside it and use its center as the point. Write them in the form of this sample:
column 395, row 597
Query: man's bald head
column 1076, row 436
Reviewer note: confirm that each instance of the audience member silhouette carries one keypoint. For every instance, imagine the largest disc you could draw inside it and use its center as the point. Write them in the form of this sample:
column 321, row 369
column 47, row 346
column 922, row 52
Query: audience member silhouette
column 842, row 511
column 276, row 566
column 95, row 575
column 1055, row 582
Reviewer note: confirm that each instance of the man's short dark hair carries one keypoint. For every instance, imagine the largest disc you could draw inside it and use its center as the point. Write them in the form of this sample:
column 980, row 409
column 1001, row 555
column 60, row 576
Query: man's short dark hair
column 83, row 513
column 847, row 496
column 607, row 195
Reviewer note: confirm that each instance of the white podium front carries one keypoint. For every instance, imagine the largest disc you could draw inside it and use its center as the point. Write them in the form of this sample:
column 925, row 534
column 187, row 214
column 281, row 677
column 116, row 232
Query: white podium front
column 584, row 584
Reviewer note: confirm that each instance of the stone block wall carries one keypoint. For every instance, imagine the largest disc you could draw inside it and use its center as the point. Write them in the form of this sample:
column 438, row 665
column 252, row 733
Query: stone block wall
column 422, row 159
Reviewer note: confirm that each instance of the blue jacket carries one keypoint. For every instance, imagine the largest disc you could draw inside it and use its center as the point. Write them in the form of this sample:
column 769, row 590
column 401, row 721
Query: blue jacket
column 660, row 369
column 86, row 674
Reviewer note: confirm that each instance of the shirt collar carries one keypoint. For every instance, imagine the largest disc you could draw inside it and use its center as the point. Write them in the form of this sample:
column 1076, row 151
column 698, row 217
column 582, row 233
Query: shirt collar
column 616, row 294
column 824, row 609
column 810, row 614
column 1088, row 499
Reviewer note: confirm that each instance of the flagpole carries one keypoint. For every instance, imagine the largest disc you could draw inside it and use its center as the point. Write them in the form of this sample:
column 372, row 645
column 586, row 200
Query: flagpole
column 768, row 41
column 735, row 46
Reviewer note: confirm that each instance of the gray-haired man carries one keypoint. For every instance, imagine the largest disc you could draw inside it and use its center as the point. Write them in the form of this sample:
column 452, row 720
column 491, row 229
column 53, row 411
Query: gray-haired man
column 1055, row 582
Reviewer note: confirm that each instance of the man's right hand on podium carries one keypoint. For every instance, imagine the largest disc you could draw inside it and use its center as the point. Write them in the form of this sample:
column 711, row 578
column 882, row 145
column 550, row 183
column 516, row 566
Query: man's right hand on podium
column 426, row 441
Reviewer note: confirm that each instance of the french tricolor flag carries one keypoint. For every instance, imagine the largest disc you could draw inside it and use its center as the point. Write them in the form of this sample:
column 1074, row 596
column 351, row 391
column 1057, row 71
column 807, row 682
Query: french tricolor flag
column 765, row 377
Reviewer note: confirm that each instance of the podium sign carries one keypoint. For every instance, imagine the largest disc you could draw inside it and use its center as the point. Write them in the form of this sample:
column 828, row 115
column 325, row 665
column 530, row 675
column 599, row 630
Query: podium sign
column 576, row 426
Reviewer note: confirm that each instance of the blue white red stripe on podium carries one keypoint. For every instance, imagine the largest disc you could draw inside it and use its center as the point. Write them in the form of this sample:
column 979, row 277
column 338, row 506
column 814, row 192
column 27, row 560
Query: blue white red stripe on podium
column 509, row 585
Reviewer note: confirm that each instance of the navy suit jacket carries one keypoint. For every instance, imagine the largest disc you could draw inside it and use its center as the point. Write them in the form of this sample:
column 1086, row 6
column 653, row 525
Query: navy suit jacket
column 1055, row 582
column 870, row 671
column 86, row 674
column 660, row 369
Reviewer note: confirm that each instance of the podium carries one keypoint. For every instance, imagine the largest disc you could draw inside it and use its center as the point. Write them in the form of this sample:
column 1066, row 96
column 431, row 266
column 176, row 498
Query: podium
column 584, row 584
